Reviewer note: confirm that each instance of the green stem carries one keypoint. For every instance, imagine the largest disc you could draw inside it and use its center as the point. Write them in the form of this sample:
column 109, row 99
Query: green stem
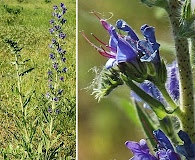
column 167, row 96
column 24, row 120
column 186, row 82
column 18, row 82
column 156, row 106
column 53, row 107
column 192, row 51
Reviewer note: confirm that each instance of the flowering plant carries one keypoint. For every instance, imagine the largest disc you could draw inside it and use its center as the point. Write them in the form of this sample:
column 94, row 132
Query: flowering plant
column 165, row 89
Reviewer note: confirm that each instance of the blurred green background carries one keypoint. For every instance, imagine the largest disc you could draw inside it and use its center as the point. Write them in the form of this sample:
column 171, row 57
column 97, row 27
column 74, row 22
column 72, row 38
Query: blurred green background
column 104, row 127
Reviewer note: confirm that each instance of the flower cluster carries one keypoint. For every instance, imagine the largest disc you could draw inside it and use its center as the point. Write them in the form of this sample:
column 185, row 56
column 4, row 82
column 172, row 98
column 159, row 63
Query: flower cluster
column 128, row 48
column 57, row 55
column 164, row 150
column 139, row 60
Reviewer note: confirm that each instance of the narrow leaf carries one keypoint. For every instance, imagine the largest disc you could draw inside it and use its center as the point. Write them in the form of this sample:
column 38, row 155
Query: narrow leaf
column 25, row 72
column 155, row 105
column 146, row 124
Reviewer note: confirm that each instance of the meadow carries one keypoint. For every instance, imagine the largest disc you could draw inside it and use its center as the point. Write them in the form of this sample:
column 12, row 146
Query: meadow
column 36, row 132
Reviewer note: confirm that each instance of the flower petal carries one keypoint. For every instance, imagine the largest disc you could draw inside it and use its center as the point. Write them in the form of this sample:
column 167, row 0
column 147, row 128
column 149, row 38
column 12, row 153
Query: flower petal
column 140, row 150
column 110, row 63
column 125, row 52
column 163, row 140
column 172, row 83
column 122, row 25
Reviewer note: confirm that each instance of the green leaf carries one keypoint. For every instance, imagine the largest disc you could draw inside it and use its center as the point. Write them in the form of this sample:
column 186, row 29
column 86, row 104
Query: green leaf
column 25, row 72
column 155, row 105
column 146, row 124
column 27, row 100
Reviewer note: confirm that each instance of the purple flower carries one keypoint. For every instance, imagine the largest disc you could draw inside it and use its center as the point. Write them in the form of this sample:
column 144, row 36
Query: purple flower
column 162, row 139
column 127, row 48
column 168, row 154
column 55, row 66
column 172, row 83
column 57, row 27
column 60, row 91
column 50, row 73
column 54, row 41
column 56, row 99
column 60, row 50
column 140, row 150
column 150, row 89
column 51, row 21
column 149, row 47
column 55, row 7
column 47, row 95
column 52, row 56
column 58, row 15
column 64, row 9
column 64, row 70
column 51, row 30
column 188, row 148
column 57, row 111
column 165, row 150
column 62, row 79
column 62, row 35
column 63, row 20
column 63, row 59
column 49, row 110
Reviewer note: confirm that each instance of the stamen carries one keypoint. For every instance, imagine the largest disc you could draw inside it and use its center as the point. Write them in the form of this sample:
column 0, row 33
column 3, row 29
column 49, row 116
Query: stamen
column 101, row 50
column 98, row 39
column 93, row 45
column 108, row 54
column 106, row 45
column 95, row 14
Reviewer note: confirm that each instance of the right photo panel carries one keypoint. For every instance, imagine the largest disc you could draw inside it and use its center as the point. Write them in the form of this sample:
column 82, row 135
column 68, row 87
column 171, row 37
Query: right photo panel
column 135, row 79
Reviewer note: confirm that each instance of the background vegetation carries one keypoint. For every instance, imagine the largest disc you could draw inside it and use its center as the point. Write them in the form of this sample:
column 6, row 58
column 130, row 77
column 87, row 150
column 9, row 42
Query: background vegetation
column 27, row 23
column 104, row 127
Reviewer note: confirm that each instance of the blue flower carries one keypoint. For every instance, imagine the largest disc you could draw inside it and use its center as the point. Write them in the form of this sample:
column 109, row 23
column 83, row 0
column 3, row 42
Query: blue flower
column 62, row 35
column 188, row 148
column 140, row 150
column 50, row 73
column 63, row 59
column 52, row 56
column 62, row 79
column 64, row 70
column 55, row 7
column 172, row 86
column 128, row 48
column 150, row 89
column 162, row 139
column 63, row 20
column 55, row 66
column 172, row 83
column 165, row 150
column 149, row 47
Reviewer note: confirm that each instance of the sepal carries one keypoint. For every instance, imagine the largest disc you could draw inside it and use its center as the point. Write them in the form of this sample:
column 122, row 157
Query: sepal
column 106, row 81
column 136, row 72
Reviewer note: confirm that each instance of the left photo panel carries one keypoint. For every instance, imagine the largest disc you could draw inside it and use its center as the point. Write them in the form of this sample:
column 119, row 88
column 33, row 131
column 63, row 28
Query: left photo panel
column 38, row 79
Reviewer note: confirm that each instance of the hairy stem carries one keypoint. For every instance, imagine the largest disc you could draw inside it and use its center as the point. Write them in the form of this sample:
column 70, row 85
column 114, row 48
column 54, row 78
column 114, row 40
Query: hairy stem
column 186, row 83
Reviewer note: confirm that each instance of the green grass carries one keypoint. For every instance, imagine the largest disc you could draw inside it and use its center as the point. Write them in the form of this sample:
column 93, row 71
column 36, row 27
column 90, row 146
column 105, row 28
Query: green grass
column 30, row 28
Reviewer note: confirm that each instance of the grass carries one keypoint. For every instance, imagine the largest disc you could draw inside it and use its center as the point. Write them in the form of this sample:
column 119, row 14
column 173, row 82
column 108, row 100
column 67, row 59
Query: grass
column 30, row 29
